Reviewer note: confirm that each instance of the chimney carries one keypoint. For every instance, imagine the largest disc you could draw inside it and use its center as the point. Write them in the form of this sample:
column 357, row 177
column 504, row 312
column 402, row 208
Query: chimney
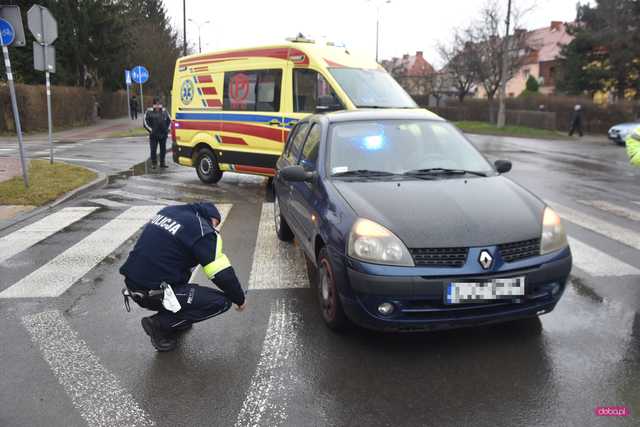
column 405, row 56
column 419, row 54
column 556, row 25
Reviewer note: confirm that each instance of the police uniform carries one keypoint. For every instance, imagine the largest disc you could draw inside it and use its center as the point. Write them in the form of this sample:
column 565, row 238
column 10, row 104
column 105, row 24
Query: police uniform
column 633, row 147
column 177, row 239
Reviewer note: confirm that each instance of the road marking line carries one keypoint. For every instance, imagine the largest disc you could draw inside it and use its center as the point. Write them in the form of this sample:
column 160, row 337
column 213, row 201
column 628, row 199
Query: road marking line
column 59, row 274
column 603, row 205
column 597, row 225
column 179, row 193
column 108, row 203
column 146, row 198
column 598, row 263
column 7, row 149
column 276, row 264
column 271, row 385
column 28, row 236
column 166, row 182
column 94, row 391
column 69, row 159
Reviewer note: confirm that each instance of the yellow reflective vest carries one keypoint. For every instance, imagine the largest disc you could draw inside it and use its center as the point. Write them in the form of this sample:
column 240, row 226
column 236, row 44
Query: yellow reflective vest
column 633, row 147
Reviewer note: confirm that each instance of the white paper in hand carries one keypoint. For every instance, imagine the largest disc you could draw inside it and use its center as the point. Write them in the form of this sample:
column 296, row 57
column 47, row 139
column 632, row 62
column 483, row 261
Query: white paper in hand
column 169, row 300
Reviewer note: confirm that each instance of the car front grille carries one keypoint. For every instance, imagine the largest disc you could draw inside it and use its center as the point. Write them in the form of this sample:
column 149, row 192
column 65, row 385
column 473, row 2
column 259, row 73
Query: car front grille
column 520, row 250
column 440, row 257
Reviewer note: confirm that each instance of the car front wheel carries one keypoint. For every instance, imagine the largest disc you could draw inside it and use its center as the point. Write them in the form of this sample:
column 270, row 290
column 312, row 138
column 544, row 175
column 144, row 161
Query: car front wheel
column 207, row 167
column 283, row 231
column 328, row 298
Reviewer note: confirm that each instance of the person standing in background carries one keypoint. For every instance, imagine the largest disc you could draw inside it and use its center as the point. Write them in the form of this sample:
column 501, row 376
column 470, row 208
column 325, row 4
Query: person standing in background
column 133, row 105
column 576, row 121
column 157, row 122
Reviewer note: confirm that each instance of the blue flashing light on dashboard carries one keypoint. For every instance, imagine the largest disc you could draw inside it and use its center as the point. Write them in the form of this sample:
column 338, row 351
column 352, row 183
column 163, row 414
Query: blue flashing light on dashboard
column 373, row 142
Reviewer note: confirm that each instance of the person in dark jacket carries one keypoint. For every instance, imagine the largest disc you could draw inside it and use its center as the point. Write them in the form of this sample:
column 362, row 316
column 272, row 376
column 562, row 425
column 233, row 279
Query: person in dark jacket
column 576, row 121
column 175, row 241
column 157, row 122
column 133, row 107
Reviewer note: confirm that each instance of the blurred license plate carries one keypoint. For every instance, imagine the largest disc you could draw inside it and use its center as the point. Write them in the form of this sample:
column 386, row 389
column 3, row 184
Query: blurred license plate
column 467, row 292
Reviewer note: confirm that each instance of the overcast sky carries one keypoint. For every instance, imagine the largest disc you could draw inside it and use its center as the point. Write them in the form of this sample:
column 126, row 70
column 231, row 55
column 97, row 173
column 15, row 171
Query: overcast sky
column 405, row 25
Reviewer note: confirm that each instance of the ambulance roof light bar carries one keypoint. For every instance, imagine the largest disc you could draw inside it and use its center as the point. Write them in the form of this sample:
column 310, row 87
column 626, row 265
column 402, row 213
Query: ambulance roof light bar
column 300, row 38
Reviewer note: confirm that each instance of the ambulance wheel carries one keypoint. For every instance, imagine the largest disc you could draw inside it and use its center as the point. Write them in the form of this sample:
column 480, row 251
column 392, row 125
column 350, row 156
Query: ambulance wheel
column 207, row 167
column 283, row 231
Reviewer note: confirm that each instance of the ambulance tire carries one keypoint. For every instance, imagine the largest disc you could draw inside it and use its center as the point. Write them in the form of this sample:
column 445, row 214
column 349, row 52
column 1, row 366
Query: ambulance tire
column 207, row 166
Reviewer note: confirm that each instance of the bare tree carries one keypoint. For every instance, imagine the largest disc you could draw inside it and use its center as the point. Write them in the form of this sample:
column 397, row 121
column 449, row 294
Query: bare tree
column 461, row 62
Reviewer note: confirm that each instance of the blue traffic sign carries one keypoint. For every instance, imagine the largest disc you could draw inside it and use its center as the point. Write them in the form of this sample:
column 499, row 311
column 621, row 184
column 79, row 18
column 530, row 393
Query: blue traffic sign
column 140, row 74
column 7, row 32
column 127, row 77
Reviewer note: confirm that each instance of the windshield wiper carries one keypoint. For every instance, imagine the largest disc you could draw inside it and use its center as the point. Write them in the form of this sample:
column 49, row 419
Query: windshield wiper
column 362, row 172
column 443, row 171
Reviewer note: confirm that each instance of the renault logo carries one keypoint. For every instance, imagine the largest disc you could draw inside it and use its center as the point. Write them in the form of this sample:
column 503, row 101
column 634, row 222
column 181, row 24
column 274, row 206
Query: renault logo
column 485, row 259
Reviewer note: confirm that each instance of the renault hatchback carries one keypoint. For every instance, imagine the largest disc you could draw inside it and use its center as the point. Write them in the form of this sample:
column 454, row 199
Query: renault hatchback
column 406, row 226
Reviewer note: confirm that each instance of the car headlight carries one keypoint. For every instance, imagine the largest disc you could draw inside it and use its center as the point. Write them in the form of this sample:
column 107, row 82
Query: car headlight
column 371, row 242
column 553, row 235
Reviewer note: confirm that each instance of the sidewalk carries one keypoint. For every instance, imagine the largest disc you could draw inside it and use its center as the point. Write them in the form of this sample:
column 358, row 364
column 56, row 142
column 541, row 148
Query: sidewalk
column 101, row 129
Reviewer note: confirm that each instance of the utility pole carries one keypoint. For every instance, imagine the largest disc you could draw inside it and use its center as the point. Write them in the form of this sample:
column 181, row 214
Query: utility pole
column 184, row 27
column 378, row 5
column 502, row 96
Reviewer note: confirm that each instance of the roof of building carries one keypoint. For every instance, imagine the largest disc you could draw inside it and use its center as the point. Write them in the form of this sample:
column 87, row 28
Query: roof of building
column 547, row 42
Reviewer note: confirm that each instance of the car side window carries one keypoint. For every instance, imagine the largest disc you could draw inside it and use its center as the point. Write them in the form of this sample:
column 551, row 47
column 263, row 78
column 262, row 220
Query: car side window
column 310, row 89
column 296, row 143
column 309, row 154
column 256, row 90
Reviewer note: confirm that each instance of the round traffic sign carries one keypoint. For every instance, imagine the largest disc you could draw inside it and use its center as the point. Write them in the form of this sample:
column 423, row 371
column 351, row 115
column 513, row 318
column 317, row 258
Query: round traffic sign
column 139, row 74
column 8, row 35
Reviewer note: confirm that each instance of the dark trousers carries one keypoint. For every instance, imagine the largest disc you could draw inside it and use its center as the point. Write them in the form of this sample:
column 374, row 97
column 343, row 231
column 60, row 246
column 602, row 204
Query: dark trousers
column 198, row 303
column 575, row 128
column 134, row 114
column 153, row 144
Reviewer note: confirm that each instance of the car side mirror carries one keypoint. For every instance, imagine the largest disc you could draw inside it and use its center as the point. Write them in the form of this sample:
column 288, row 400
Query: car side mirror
column 502, row 166
column 296, row 174
column 328, row 103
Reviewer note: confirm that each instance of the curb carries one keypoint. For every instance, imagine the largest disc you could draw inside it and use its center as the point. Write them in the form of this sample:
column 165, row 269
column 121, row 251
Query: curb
column 101, row 180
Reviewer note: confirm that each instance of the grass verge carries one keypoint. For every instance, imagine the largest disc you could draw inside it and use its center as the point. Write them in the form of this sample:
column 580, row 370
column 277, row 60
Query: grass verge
column 517, row 131
column 46, row 183
column 129, row 132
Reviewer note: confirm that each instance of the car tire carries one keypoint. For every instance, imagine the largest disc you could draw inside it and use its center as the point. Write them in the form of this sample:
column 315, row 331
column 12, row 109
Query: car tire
column 327, row 290
column 207, row 166
column 312, row 272
column 283, row 231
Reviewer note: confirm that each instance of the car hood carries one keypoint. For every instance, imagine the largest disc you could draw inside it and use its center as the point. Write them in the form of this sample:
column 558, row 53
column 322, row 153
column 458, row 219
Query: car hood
column 448, row 212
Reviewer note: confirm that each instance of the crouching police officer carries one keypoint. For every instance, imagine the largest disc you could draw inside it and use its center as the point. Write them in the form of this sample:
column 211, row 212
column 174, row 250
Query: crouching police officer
column 633, row 147
column 158, row 269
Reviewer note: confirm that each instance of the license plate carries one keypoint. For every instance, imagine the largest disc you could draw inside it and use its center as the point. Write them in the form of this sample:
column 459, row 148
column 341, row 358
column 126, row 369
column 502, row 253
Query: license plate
column 468, row 292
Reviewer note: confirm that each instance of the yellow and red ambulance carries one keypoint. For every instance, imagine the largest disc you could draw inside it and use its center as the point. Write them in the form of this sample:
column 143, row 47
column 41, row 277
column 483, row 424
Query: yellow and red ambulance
column 233, row 110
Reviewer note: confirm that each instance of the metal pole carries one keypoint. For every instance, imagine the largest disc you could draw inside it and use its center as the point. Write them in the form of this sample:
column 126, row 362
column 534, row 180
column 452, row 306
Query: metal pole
column 16, row 115
column 377, row 31
column 502, row 95
column 141, row 101
column 128, row 101
column 48, row 87
column 184, row 27
column 199, row 41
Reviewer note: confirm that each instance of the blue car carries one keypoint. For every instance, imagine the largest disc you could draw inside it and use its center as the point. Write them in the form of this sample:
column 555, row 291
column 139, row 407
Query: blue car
column 406, row 226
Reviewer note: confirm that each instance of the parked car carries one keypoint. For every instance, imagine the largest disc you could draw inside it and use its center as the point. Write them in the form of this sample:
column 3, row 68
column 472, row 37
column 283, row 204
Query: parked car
column 619, row 133
column 406, row 226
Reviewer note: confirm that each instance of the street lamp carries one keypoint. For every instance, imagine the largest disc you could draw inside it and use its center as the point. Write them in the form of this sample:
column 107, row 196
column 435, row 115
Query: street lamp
column 199, row 25
column 378, row 4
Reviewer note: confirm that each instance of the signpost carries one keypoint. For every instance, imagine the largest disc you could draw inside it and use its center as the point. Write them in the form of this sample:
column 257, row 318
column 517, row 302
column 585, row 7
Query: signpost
column 140, row 75
column 44, row 28
column 127, row 82
column 8, row 37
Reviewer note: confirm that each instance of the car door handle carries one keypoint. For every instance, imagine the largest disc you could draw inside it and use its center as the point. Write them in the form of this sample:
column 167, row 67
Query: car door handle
column 274, row 122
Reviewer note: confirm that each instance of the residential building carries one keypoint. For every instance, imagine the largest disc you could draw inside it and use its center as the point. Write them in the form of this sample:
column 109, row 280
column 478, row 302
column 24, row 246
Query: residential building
column 412, row 72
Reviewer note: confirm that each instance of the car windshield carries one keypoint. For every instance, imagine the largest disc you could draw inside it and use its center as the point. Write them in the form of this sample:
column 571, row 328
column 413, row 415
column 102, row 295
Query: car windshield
column 372, row 88
column 402, row 147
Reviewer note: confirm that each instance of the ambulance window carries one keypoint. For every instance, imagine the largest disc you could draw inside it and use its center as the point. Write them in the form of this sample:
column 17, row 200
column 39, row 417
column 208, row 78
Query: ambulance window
column 308, row 87
column 310, row 149
column 296, row 143
column 252, row 90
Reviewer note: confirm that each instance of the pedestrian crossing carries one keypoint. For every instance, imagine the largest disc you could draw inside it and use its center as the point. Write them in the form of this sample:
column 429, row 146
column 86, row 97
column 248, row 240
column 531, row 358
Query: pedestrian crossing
column 274, row 264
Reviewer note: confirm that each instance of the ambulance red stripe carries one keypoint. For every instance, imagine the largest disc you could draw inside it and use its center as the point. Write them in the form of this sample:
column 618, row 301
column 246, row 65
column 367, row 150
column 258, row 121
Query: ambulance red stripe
column 205, row 79
column 274, row 134
column 214, row 103
column 255, row 169
column 232, row 140
column 277, row 53
column 209, row 90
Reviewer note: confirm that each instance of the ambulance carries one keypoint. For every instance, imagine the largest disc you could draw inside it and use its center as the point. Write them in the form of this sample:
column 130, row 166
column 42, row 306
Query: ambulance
column 233, row 110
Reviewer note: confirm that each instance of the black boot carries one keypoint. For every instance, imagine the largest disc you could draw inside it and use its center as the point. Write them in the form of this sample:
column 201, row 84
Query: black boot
column 160, row 339
column 154, row 165
column 163, row 165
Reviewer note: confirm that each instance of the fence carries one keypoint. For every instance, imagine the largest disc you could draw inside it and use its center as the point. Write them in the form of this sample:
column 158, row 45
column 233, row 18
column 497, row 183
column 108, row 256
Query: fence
column 71, row 106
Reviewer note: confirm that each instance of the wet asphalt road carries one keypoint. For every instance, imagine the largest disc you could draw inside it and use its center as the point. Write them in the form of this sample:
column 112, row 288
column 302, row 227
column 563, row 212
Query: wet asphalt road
column 276, row 363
